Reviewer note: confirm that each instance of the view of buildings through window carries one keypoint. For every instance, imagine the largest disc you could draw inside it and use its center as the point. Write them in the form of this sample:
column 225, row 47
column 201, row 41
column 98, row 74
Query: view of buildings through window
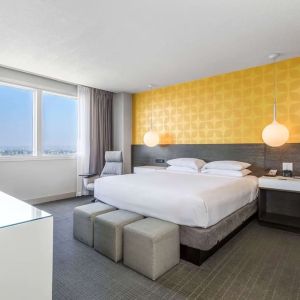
column 58, row 122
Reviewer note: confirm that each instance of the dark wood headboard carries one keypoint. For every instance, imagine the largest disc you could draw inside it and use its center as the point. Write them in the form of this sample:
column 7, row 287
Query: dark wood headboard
column 260, row 156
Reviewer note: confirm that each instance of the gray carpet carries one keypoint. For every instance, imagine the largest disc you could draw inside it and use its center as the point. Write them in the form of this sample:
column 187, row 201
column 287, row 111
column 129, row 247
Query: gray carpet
column 258, row 263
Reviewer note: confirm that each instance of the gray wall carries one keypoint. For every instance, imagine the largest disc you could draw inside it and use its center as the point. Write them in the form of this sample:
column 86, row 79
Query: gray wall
column 122, row 127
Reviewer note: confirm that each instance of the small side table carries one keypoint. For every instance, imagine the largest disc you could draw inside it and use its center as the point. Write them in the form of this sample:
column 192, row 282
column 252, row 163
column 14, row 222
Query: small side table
column 88, row 175
column 279, row 202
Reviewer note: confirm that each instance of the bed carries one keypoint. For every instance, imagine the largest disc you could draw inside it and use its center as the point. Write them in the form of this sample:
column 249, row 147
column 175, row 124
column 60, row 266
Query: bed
column 208, row 208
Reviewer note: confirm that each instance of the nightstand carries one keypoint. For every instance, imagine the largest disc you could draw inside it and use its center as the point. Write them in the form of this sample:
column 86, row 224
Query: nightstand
column 279, row 202
column 147, row 169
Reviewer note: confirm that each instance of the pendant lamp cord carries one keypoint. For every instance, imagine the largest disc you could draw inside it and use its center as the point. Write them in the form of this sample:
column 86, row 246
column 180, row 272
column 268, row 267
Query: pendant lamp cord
column 274, row 90
column 151, row 107
column 151, row 115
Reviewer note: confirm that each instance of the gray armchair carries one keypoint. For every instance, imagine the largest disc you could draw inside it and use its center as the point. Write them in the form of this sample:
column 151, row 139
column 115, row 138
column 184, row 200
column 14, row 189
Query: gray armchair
column 113, row 166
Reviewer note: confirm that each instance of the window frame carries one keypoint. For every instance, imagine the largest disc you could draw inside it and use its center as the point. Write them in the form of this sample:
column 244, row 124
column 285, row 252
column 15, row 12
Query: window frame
column 37, row 151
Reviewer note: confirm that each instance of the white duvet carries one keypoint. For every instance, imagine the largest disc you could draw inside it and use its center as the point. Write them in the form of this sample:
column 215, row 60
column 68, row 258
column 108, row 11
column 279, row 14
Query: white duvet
column 199, row 200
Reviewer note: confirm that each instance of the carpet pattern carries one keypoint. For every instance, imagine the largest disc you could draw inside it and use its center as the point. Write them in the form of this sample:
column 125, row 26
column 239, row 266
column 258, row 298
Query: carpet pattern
column 258, row 263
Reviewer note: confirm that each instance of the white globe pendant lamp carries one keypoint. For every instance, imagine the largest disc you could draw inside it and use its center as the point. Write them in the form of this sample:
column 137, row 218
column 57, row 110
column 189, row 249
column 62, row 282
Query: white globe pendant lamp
column 275, row 134
column 151, row 137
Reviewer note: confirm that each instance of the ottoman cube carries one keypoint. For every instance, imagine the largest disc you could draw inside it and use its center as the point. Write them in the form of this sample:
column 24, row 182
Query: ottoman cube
column 108, row 232
column 83, row 220
column 151, row 246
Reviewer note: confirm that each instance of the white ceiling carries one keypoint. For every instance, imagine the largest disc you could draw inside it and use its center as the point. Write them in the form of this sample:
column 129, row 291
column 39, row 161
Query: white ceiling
column 123, row 45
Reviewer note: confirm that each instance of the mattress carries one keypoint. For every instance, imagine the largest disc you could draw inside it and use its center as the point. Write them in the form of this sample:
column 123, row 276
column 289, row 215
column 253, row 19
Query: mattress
column 197, row 200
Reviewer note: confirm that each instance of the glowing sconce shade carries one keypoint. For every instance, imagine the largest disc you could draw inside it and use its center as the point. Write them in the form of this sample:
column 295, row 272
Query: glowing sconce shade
column 151, row 138
column 275, row 134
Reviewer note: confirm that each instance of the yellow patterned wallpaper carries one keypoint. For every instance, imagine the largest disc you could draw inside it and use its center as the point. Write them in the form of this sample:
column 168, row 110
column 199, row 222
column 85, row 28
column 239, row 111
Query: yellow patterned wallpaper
column 229, row 108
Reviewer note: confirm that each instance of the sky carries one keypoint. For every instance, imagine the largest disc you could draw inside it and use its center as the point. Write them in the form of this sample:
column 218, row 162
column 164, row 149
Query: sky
column 59, row 119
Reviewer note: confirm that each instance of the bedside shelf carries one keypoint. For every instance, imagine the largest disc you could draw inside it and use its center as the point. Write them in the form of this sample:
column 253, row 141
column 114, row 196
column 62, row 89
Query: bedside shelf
column 280, row 183
column 279, row 203
column 147, row 169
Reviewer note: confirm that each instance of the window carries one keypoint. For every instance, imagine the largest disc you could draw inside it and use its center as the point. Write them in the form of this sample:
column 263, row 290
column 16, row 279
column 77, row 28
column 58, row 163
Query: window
column 35, row 122
column 16, row 120
column 59, row 124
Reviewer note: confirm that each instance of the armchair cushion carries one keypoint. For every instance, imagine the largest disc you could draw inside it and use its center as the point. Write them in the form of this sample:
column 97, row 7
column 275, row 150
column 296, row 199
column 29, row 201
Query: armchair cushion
column 112, row 168
column 113, row 163
column 113, row 156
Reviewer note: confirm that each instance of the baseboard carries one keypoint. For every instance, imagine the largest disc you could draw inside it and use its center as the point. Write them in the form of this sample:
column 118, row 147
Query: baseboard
column 51, row 198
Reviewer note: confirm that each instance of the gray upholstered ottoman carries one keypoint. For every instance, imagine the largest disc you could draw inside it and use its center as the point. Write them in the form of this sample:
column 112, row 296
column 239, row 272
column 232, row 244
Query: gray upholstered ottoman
column 151, row 246
column 108, row 232
column 83, row 220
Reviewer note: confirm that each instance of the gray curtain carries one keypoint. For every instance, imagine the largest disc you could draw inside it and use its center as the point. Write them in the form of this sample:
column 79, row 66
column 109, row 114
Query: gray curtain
column 101, row 128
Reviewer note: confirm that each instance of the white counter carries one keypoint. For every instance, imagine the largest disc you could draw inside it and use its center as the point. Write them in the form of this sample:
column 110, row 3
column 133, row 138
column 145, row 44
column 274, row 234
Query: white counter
column 14, row 211
column 26, row 251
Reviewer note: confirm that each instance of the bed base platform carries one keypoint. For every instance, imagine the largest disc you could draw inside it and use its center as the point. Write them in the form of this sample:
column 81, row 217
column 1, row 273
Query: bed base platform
column 198, row 244
column 197, row 256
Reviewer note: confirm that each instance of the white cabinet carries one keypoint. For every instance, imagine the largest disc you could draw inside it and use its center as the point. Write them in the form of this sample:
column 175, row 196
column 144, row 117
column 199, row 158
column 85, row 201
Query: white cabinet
column 26, row 251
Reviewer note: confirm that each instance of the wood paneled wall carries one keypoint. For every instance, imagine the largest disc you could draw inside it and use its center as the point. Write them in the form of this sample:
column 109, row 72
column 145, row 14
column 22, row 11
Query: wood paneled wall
column 260, row 156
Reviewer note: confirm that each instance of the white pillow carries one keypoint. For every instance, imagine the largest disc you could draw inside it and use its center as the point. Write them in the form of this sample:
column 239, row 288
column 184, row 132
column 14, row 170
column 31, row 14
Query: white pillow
column 193, row 163
column 233, row 173
column 227, row 165
column 182, row 169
